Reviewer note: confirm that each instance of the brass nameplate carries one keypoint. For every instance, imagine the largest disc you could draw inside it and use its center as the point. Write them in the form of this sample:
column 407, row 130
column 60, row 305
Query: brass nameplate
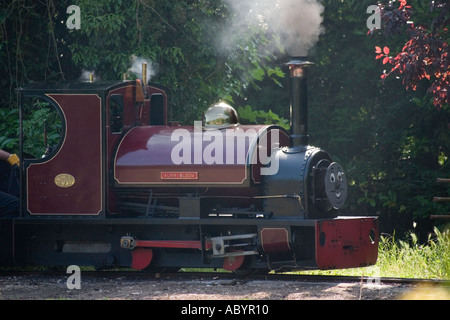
column 64, row 180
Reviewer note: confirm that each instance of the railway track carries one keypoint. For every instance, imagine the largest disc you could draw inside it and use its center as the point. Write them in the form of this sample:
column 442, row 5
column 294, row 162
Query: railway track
column 223, row 276
column 176, row 294
column 209, row 286
column 199, row 275
column 209, row 276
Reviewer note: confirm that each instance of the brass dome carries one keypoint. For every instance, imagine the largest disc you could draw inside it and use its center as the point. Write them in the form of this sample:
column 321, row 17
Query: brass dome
column 220, row 115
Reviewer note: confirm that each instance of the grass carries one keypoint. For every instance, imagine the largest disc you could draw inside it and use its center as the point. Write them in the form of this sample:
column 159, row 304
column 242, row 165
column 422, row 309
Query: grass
column 406, row 259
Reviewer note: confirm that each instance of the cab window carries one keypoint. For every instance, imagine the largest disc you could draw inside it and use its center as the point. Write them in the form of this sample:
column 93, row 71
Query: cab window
column 157, row 110
column 42, row 127
column 116, row 113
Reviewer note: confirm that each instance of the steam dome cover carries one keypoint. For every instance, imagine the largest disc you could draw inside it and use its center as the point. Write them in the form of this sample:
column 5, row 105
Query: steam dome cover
column 220, row 115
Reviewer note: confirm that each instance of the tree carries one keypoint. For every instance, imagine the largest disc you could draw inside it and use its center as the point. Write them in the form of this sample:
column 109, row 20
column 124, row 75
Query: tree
column 31, row 50
column 392, row 142
column 180, row 40
column 426, row 54
column 422, row 63
column 30, row 47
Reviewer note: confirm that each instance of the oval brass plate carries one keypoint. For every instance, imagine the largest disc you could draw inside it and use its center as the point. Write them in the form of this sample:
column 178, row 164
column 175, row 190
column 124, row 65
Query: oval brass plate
column 64, row 180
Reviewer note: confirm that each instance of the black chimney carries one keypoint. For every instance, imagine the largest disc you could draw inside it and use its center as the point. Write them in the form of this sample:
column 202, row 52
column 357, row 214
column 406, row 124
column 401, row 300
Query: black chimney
column 299, row 102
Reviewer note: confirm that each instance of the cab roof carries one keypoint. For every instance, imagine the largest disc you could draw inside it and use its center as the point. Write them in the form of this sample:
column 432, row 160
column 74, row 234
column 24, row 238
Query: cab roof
column 73, row 86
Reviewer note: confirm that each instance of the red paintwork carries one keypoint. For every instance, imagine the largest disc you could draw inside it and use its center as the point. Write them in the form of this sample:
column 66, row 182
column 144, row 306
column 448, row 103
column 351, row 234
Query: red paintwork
column 275, row 240
column 142, row 254
column 183, row 244
column 129, row 116
column 141, row 258
column 345, row 243
column 80, row 156
column 129, row 92
column 144, row 116
column 233, row 263
column 144, row 159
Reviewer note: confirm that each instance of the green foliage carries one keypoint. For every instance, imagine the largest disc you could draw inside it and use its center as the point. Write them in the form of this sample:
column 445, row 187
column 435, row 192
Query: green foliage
column 104, row 42
column 249, row 116
column 180, row 40
column 393, row 143
column 9, row 129
column 42, row 127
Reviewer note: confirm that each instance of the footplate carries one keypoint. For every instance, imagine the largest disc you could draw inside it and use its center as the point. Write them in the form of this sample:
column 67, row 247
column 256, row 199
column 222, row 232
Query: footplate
column 346, row 242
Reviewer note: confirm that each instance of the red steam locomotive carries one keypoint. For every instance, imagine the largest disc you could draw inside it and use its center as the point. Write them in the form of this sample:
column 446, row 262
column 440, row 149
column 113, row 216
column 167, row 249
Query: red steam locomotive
column 126, row 187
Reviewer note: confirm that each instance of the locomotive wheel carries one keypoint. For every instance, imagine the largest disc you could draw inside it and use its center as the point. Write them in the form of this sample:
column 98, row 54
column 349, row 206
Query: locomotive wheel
column 245, row 269
column 233, row 263
column 142, row 257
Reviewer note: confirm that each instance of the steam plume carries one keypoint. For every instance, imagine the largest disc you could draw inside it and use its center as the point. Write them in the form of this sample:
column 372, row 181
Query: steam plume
column 136, row 67
column 86, row 74
column 296, row 22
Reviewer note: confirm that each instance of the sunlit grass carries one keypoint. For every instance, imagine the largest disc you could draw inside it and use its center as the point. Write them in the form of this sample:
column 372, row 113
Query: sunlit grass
column 406, row 259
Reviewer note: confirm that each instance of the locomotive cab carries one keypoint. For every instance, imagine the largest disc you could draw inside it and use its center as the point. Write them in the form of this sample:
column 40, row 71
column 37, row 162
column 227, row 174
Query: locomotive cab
column 72, row 179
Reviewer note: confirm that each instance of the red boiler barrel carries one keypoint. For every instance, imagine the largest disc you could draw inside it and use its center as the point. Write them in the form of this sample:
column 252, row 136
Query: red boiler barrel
column 157, row 156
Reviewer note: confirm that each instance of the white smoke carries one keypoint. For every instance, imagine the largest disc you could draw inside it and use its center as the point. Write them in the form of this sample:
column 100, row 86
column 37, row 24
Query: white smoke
column 136, row 67
column 297, row 23
column 86, row 74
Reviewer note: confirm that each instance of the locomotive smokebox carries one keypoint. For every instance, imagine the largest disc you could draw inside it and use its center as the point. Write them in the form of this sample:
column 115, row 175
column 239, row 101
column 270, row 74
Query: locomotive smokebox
column 299, row 101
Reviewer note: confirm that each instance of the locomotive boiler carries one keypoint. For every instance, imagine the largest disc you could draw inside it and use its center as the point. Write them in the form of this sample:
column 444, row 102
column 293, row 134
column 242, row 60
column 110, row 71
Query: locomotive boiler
column 126, row 187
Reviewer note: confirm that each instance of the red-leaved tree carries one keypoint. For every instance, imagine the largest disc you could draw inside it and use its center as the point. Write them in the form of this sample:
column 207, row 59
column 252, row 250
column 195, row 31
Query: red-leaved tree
column 426, row 54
